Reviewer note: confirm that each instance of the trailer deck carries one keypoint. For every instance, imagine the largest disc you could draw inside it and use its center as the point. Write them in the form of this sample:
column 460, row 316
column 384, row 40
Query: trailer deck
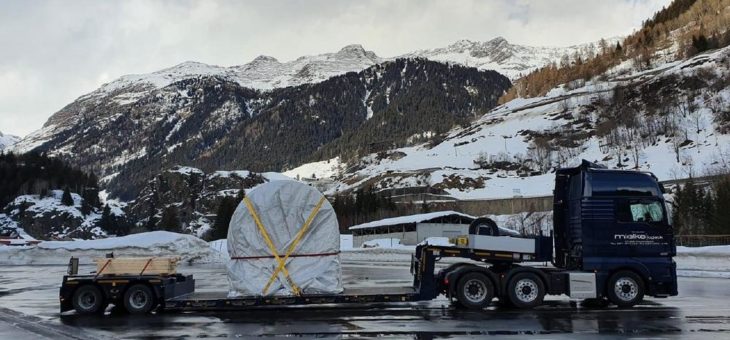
column 211, row 301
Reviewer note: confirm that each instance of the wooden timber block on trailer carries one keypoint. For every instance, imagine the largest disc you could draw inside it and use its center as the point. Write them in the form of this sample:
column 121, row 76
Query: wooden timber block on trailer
column 137, row 265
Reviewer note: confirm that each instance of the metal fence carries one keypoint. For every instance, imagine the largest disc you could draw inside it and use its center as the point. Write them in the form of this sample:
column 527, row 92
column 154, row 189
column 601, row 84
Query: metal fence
column 702, row 240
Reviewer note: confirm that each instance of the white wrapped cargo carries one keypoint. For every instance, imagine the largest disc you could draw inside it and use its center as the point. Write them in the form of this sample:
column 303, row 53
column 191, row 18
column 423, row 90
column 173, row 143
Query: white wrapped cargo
column 294, row 219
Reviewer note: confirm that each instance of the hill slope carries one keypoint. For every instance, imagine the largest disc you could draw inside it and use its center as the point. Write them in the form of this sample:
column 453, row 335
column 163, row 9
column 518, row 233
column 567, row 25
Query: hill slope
column 673, row 120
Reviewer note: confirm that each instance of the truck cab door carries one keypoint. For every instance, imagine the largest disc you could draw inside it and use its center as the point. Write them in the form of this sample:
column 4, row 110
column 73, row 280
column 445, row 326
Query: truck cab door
column 642, row 228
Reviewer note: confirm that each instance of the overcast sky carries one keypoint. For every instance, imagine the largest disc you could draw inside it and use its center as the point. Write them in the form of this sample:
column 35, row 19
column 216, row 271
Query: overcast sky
column 52, row 52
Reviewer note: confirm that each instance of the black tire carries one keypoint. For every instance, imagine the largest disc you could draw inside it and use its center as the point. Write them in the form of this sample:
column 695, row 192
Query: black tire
column 526, row 290
column 491, row 226
column 625, row 289
column 88, row 299
column 474, row 291
column 139, row 299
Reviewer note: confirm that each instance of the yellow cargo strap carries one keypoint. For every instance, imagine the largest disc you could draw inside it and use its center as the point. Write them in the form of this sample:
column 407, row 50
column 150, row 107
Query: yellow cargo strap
column 270, row 244
column 295, row 242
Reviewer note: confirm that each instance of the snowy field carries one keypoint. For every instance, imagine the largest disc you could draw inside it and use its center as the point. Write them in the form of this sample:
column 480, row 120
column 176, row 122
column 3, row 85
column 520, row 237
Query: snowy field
column 711, row 261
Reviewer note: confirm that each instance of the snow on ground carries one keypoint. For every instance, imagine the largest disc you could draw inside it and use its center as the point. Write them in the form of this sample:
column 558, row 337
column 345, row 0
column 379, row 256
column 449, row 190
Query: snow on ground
column 155, row 243
column 323, row 169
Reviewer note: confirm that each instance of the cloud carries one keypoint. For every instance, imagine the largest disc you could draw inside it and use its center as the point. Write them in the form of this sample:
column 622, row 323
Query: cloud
column 56, row 51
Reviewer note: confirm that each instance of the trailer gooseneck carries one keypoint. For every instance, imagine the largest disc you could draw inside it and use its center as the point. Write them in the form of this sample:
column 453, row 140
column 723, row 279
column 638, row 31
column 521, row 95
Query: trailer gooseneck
column 611, row 239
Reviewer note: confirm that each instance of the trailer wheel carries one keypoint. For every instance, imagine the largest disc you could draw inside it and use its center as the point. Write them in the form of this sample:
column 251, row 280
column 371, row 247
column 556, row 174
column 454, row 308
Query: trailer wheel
column 625, row 289
column 474, row 291
column 138, row 299
column 88, row 299
column 526, row 290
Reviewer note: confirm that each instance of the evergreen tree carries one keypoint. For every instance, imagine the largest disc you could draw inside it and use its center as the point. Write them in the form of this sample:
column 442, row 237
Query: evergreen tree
column 66, row 198
column 170, row 220
column 151, row 223
column 113, row 224
column 720, row 219
column 85, row 208
column 107, row 221
column 223, row 218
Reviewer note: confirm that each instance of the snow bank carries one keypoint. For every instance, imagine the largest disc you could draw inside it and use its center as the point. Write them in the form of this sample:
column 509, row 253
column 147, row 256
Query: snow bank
column 712, row 261
column 705, row 251
column 156, row 243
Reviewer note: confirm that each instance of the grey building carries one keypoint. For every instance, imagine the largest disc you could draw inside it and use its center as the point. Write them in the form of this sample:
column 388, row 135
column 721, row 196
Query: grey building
column 413, row 229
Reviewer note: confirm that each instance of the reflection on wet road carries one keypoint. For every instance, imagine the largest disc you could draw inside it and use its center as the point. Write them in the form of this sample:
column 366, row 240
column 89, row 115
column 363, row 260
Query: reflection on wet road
column 702, row 310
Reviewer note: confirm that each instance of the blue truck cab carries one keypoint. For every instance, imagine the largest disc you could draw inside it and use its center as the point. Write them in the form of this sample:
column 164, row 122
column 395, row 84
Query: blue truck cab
column 615, row 223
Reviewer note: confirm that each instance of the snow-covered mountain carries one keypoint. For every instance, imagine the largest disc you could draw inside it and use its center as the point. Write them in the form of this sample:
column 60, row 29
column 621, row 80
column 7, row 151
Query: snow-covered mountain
column 672, row 120
column 498, row 54
column 130, row 134
column 265, row 73
column 7, row 141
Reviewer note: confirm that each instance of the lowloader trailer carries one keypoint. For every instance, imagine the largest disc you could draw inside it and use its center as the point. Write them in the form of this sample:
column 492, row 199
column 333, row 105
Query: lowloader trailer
column 611, row 239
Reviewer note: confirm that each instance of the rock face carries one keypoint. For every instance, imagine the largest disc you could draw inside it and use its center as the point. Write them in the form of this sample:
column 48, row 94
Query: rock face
column 129, row 134
column 195, row 195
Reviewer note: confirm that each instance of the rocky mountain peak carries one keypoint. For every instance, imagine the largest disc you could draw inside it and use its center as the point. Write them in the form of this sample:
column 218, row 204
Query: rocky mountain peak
column 264, row 59
column 356, row 51
column 499, row 40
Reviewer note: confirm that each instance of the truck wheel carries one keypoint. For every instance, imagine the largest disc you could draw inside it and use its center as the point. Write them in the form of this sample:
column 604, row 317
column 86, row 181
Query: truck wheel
column 625, row 288
column 138, row 299
column 526, row 290
column 474, row 291
column 88, row 299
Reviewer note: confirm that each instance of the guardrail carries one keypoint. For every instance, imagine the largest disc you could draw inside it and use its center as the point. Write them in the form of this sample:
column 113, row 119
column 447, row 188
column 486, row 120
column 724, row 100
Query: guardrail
column 702, row 240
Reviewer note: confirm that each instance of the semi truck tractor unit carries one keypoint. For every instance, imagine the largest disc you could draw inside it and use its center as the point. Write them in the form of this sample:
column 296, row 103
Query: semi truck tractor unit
column 611, row 239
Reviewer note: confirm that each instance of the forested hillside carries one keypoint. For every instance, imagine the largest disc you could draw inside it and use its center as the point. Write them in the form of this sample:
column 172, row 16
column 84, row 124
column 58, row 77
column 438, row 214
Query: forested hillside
column 36, row 174
column 679, row 31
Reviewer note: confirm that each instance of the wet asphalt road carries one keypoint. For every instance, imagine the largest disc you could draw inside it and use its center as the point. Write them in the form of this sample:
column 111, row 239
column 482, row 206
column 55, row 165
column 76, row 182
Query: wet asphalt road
column 29, row 309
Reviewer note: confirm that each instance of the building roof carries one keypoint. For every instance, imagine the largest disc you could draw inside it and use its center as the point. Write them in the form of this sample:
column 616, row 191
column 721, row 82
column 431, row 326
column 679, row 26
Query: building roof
column 409, row 219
